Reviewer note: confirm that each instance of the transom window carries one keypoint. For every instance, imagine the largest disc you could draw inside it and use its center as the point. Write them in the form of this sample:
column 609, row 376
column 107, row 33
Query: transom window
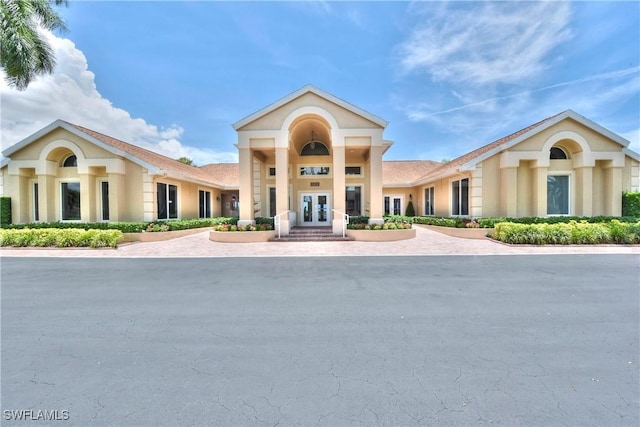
column 353, row 170
column 315, row 148
column 557, row 153
column 70, row 162
column 314, row 170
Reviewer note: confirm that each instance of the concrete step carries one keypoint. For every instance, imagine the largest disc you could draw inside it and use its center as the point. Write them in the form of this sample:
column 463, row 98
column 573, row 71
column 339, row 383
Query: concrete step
column 311, row 238
column 311, row 234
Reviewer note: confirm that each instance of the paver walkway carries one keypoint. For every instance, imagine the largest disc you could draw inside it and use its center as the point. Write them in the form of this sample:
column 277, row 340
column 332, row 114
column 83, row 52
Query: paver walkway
column 427, row 242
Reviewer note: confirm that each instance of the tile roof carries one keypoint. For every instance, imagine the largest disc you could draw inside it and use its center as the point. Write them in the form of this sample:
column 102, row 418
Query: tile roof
column 170, row 166
column 453, row 165
column 406, row 172
column 226, row 174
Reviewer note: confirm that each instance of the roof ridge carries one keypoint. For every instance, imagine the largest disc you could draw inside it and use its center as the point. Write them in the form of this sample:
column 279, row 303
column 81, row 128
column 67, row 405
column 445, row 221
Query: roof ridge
column 494, row 144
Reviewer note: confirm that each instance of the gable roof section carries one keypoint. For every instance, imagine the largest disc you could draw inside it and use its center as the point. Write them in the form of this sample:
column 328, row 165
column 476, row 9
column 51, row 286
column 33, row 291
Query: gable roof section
column 403, row 173
column 470, row 160
column 155, row 163
column 317, row 91
column 227, row 174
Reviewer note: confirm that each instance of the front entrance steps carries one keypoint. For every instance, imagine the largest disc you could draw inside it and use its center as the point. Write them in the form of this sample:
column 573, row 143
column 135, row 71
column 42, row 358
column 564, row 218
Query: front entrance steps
column 311, row 234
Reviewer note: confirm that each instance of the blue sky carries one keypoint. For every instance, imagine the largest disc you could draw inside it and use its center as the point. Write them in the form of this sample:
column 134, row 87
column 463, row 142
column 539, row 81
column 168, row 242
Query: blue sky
column 448, row 76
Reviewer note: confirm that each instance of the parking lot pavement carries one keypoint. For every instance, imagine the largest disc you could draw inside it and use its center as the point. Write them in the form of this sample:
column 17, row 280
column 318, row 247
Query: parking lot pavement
column 426, row 242
column 448, row 340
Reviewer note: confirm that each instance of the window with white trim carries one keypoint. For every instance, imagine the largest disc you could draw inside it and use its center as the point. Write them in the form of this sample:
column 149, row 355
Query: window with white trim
column 393, row 205
column 36, row 203
column 353, row 170
column 167, row 201
column 353, row 194
column 70, row 201
column 429, row 201
column 558, row 195
column 104, row 200
column 204, row 204
column 460, row 197
column 70, row 161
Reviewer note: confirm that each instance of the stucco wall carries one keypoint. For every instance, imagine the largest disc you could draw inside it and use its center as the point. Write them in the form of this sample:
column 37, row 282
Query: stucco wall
column 275, row 119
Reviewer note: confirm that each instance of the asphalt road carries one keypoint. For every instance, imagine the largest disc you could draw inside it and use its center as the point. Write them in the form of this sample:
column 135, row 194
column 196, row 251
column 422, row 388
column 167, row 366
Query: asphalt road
column 478, row 340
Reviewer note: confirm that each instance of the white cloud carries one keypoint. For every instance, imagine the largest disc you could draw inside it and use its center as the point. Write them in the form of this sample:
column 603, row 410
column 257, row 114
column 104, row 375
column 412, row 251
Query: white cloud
column 485, row 43
column 70, row 94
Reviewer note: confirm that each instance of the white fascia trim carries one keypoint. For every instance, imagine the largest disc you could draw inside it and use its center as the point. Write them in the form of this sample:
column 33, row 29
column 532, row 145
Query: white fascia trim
column 4, row 162
column 627, row 151
column 66, row 126
column 564, row 115
column 317, row 91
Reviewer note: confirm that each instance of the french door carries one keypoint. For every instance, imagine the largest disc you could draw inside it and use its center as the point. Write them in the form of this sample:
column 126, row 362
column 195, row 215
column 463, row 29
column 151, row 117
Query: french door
column 315, row 209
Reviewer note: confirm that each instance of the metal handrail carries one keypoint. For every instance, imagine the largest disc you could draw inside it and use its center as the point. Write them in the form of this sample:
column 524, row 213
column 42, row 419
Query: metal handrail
column 345, row 221
column 277, row 220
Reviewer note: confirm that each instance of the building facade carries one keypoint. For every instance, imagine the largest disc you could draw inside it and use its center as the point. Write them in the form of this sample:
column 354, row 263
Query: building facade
column 311, row 158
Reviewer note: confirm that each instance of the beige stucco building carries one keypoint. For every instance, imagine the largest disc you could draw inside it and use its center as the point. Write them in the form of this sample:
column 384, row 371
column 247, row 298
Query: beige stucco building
column 311, row 158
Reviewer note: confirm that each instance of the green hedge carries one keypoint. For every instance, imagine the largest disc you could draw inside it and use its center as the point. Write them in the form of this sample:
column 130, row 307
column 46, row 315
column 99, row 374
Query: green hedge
column 5, row 211
column 125, row 227
column 131, row 227
column 62, row 238
column 572, row 232
column 441, row 221
column 631, row 204
column 358, row 220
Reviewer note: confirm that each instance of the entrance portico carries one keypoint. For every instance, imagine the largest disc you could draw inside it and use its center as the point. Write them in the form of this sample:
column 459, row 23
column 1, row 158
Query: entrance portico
column 310, row 158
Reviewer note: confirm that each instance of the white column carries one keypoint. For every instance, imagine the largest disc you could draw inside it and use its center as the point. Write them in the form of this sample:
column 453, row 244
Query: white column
column 282, row 187
column 339, row 195
column 375, row 185
column 246, row 186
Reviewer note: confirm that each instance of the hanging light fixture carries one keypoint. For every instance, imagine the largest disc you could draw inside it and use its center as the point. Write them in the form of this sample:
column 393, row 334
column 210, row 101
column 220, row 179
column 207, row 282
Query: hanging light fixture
column 312, row 143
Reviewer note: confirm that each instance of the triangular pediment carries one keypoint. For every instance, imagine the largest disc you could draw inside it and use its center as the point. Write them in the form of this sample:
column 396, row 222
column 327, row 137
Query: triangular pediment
column 272, row 116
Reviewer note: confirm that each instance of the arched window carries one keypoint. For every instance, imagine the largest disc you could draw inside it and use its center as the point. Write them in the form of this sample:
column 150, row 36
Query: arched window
column 315, row 148
column 557, row 153
column 70, row 162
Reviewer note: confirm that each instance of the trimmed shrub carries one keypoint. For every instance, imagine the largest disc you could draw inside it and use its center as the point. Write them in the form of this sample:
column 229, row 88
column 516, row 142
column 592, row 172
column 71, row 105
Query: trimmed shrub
column 264, row 221
column 439, row 221
column 358, row 220
column 5, row 211
column 64, row 238
column 411, row 212
column 573, row 232
column 631, row 204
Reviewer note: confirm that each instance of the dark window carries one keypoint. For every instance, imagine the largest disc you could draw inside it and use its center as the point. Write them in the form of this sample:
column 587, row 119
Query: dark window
column 272, row 201
column 429, row 201
column 272, row 171
column 558, row 195
column 70, row 162
column 315, row 148
column 205, row 203
column 167, row 201
column 387, row 208
column 104, row 186
column 70, row 201
column 460, row 197
column 353, row 170
column 557, row 153
column 354, row 201
column 36, row 203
